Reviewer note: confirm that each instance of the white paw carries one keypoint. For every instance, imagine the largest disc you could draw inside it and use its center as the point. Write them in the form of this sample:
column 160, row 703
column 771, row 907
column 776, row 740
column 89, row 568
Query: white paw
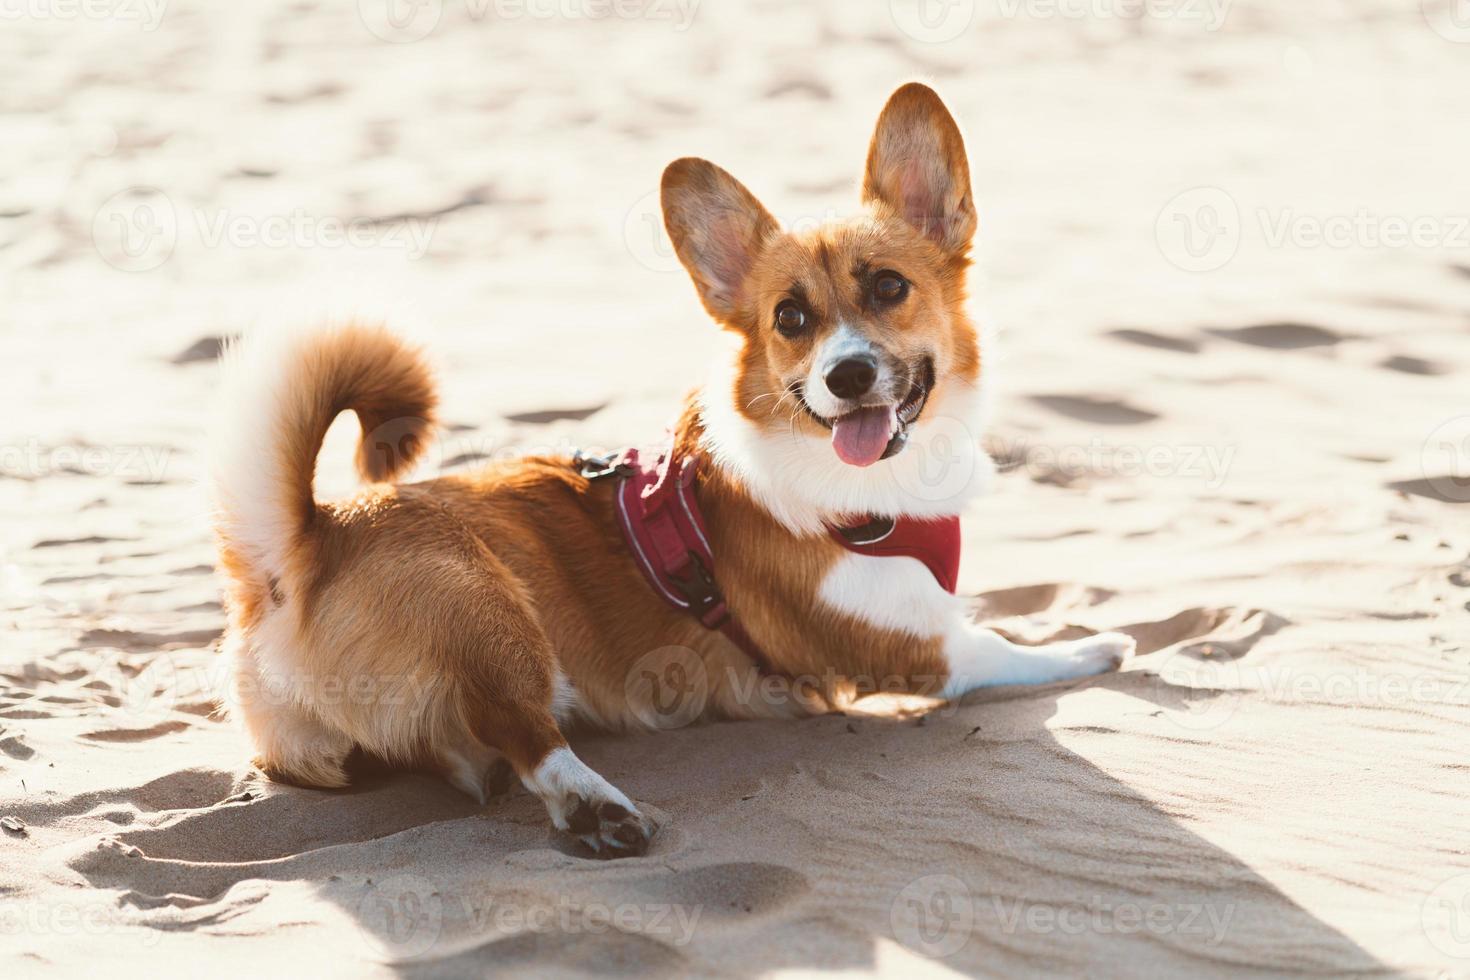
column 588, row 808
column 1098, row 654
column 983, row 658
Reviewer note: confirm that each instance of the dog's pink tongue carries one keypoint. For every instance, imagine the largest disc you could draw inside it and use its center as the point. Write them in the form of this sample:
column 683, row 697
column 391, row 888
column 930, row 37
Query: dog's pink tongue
column 860, row 437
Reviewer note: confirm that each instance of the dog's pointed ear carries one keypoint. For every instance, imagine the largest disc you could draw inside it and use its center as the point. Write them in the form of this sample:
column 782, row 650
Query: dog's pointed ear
column 717, row 227
column 918, row 169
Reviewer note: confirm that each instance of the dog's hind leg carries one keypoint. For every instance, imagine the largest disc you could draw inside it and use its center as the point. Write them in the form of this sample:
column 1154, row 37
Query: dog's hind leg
column 292, row 745
column 475, row 769
column 583, row 804
column 499, row 671
column 580, row 803
column 510, row 710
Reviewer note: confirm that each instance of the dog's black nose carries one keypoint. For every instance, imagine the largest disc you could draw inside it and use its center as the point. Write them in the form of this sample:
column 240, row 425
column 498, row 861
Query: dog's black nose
column 851, row 377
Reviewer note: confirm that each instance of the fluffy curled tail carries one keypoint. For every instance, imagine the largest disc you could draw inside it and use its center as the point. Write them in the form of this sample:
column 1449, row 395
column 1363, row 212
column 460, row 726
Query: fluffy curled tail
column 280, row 392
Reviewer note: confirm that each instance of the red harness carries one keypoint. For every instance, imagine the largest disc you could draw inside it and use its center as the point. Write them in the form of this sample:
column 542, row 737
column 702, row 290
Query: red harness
column 664, row 529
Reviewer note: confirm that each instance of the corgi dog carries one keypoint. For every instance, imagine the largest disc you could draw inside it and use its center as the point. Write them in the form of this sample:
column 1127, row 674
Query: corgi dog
column 790, row 547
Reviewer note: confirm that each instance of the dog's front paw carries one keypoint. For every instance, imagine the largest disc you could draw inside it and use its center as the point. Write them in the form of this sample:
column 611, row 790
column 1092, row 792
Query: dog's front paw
column 1099, row 654
column 607, row 828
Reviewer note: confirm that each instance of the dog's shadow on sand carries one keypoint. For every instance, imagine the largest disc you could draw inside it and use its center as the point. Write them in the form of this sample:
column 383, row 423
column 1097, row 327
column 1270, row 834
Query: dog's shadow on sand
column 970, row 835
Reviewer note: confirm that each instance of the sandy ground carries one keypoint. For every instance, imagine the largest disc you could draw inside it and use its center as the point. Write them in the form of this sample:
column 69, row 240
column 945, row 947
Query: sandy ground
column 1230, row 261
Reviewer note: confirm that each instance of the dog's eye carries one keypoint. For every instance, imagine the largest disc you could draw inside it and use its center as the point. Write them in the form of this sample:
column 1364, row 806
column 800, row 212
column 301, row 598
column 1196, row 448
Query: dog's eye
column 890, row 287
column 789, row 318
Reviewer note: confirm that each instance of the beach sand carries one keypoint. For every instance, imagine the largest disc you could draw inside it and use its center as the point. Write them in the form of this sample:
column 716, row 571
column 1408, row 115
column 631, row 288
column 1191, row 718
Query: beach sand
column 1237, row 439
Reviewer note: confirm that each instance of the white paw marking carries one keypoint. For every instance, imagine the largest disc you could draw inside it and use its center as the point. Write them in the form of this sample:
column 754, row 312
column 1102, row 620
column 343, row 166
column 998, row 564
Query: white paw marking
column 981, row 658
column 583, row 804
column 1096, row 655
column 900, row 594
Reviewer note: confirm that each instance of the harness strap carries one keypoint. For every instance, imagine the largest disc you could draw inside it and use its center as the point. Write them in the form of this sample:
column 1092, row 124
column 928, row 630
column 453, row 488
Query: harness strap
column 662, row 523
column 935, row 542
column 664, row 527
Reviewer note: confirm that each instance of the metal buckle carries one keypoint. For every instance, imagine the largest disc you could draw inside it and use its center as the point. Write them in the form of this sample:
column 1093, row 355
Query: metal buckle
column 875, row 530
column 599, row 467
column 699, row 587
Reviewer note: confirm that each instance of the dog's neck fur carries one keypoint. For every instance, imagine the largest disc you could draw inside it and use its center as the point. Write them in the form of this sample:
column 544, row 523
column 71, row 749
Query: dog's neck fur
column 797, row 479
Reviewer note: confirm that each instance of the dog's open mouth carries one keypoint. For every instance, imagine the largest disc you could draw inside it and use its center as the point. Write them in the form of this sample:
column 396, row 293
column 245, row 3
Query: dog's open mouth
column 864, row 436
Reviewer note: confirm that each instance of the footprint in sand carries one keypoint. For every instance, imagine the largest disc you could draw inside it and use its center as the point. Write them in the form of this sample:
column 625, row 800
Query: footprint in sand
column 136, row 734
column 1098, row 411
column 1225, row 632
column 108, row 559
column 300, row 819
column 1447, row 489
column 583, row 952
column 1405, row 364
column 549, row 415
column 16, row 747
column 68, row 542
column 205, row 349
column 74, row 579
column 667, row 909
column 464, row 459
column 185, row 789
column 131, row 640
column 732, row 892
column 1029, row 600
column 1282, row 336
column 803, row 86
column 1145, row 338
